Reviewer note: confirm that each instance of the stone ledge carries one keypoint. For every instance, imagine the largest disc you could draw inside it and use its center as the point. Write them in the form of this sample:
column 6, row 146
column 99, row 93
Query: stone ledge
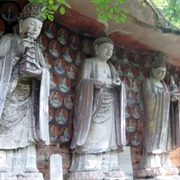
column 97, row 175
column 24, row 176
column 157, row 172
column 175, row 177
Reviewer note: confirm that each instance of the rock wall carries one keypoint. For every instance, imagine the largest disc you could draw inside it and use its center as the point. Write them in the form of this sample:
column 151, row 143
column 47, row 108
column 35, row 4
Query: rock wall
column 64, row 51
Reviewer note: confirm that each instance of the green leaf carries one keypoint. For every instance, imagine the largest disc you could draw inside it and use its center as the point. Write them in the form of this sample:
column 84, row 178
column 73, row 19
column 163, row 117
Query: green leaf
column 110, row 15
column 122, row 1
column 126, row 10
column 122, row 18
column 68, row 5
column 107, row 7
column 62, row 10
column 97, row 9
column 111, row 10
column 51, row 17
column 116, row 19
column 55, row 7
column 51, row 2
column 43, row 16
column 102, row 16
column 95, row 1
column 123, row 15
column 117, row 10
column 50, row 12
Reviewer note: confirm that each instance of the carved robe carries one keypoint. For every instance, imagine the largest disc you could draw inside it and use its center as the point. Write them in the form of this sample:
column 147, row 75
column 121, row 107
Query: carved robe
column 99, row 120
column 158, row 135
column 23, row 102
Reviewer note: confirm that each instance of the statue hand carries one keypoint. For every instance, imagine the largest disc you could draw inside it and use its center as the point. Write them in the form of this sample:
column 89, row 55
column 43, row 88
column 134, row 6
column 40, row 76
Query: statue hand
column 99, row 84
column 175, row 98
column 35, row 72
column 20, row 49
column 116, row 83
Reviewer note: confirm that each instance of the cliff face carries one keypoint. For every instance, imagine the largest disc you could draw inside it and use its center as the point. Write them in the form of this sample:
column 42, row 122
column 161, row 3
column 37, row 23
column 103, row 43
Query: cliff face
column 145, row 28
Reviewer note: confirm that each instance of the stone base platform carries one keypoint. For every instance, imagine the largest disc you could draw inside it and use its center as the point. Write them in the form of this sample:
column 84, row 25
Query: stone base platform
column 24, row 176
column 175, row 177
column 97, row 175
column 157, row 172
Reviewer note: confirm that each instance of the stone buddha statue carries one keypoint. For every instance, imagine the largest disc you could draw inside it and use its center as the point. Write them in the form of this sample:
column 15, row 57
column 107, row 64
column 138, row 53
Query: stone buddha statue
column 99, row 120
column 158, row 129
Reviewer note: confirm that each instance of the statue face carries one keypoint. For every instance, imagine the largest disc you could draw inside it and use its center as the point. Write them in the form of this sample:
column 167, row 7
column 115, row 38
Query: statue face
column 159, row 73
column 32, row 25
column 104, row 51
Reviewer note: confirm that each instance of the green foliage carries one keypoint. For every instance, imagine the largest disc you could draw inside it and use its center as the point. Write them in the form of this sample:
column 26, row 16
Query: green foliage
column 170, row 9
column 107, row 9
column 111, row 9
column 50, row 7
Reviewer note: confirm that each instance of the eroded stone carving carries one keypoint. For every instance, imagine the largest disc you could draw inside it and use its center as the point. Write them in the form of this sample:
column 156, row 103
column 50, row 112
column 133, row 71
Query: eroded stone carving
column 157, row 99
column 99, row 120
column 24, row 90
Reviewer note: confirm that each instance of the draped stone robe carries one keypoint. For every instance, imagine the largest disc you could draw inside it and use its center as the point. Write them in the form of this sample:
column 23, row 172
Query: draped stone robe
column 23, row 102
column 99, row 119
column 158, row 126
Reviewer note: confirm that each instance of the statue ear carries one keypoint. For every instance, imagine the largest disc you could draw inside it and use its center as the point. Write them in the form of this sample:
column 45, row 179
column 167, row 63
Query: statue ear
column 96, row 49
column 20, row 26
column 153, row 71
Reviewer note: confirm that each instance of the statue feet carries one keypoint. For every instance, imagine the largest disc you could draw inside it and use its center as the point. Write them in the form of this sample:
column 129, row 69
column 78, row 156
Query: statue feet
column 31, row 170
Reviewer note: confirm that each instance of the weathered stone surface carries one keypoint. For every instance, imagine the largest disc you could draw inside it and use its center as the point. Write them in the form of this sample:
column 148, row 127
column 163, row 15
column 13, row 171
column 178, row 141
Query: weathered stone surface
column 24, row 176
column 175, row 177
column 93, row 175
column 154, row 172
column 160, row 106
column 24, row 92
column 55, row 167
column 125, row 163
column 100, row 134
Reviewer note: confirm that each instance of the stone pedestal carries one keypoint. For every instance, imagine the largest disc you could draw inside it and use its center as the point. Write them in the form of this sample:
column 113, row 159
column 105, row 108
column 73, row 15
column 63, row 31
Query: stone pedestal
column 24, row 176
column 97, row 175
column 55, row 167
column 158, row 173
column 125, row 172
column 92, row 175
column 115, row 175
column 125, row 163
column 175, row 177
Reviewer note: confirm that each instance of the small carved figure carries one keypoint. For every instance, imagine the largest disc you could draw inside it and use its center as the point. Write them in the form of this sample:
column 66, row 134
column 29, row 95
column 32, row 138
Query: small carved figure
column 23, row 119
column 61, row 119
column 119, row 70
column 53, row 50
column 130, row 126
column 55, row 100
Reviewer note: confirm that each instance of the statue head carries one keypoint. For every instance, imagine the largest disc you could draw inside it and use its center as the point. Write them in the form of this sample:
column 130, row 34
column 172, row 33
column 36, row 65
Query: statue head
column 159, row 67
column 30, row 20
column 103, row 48
column 159, row 61
column 32, row 10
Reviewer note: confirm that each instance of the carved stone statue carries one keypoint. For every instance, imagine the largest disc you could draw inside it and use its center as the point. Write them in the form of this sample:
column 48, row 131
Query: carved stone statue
column 158, row 123
column 99, row 120
column 24, row 90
